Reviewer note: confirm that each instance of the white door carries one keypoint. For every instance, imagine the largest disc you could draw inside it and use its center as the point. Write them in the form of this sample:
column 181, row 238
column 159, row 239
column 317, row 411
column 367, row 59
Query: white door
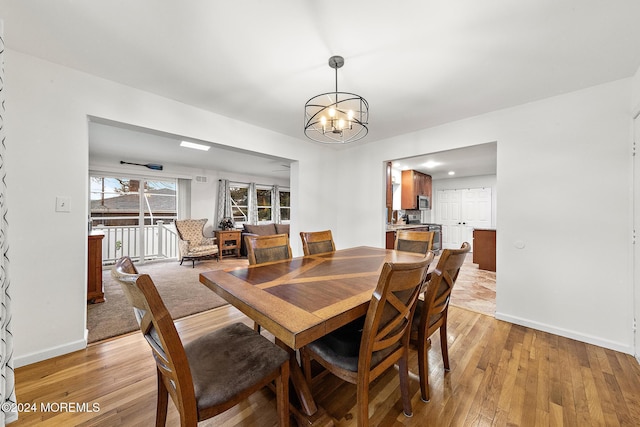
column 460, row 211
column 448, row 212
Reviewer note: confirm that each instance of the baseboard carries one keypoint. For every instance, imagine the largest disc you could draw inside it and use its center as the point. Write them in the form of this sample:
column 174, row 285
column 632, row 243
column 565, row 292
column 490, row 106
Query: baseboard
column 612, row 345
column 49, row 353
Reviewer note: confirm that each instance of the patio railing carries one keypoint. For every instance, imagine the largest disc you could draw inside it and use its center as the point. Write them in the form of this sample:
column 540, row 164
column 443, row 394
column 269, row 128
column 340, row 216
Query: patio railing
column 160, row 241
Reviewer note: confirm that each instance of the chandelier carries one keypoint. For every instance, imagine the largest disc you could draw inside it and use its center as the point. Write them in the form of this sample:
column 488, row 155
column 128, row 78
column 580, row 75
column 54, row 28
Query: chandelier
column 336, row 117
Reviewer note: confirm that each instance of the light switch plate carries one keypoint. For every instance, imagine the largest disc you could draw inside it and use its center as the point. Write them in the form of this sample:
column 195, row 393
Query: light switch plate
column 62, row 204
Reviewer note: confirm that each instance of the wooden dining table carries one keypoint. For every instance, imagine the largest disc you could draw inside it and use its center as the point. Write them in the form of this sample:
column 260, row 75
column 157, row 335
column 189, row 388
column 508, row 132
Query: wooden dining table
column 302, row 299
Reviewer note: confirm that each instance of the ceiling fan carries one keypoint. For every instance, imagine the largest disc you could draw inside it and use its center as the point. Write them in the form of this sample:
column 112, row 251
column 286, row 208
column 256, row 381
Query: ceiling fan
column 287, row 168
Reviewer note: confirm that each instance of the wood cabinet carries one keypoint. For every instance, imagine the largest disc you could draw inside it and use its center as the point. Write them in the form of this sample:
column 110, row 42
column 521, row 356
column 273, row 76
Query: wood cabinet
column 389, row 192
column 390, row 240
column 95, row 293
column 484, row 249
column 414, row 184
column 228, row 242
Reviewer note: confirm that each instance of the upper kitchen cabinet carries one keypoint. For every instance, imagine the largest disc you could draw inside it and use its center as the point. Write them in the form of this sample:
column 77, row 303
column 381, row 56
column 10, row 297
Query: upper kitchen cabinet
column 414, row 184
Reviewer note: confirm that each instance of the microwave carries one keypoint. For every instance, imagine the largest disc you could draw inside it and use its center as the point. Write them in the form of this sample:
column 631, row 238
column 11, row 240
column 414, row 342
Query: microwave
column 423, row 203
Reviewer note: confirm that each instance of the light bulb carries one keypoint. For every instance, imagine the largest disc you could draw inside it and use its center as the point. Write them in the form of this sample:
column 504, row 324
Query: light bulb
column 341, row 124
column 332, row 112
column 350, row 115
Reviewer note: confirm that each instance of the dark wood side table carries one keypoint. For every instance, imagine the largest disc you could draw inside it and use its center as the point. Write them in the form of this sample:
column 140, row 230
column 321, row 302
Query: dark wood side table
column 228, row 242
column 95, row 293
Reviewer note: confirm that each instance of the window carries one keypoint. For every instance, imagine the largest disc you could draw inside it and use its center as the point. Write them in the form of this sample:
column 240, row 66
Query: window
column 240, row 202
column 264, row 204
column 133, row 213
column 116, row 201
column 285, row 205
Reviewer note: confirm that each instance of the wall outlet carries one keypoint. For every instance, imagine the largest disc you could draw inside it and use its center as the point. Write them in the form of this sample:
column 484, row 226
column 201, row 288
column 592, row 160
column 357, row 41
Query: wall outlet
column 63, row 204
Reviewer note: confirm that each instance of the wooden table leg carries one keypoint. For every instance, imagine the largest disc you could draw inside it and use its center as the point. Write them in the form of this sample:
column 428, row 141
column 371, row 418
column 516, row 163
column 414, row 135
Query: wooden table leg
column 308, row 414
column 301, row 388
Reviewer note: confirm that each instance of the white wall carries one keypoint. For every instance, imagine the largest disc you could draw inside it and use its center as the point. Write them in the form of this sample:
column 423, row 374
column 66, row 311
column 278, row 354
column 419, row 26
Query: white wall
column 635, row 111
column 547, row 151
column 550, row 198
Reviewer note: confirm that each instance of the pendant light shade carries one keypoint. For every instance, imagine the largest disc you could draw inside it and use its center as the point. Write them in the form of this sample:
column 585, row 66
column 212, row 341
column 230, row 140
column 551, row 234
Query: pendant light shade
column 336, row 117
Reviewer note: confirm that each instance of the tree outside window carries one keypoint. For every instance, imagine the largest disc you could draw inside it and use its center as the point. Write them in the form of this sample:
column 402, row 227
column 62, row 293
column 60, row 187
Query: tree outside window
column 285, row 205
column 240, row 203
column 264, row 204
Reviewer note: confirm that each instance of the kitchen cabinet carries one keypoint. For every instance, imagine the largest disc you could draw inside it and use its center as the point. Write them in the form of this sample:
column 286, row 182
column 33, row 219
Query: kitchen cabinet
column 391, row 240
column 414, row 184
column 484, row 249
column 389, row 192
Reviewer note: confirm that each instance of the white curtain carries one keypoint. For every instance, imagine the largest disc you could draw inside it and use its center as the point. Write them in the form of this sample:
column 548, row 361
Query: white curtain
column 7, row 381
column 224, row 202
column 184, row 198
column 275, row 202
column 252, row 204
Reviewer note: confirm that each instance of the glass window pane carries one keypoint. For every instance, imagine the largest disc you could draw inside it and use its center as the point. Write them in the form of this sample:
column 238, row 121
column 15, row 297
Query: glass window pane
column 264, row 214
column 239, row 203
column 264, row 197
column 285, row 214
column 285, row 198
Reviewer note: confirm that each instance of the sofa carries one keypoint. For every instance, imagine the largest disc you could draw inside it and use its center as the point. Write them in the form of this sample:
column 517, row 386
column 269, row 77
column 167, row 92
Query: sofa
column 261, row 230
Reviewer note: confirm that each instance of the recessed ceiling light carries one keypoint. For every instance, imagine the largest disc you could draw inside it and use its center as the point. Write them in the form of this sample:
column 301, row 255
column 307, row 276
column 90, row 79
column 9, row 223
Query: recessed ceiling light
column 195, row 146
column 431, row 164
column 452, row 173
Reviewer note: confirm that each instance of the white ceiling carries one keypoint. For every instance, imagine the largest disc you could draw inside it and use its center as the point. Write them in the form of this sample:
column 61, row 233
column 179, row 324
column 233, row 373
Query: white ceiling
column 109, row 141
column 419, row 63
column 474, row 160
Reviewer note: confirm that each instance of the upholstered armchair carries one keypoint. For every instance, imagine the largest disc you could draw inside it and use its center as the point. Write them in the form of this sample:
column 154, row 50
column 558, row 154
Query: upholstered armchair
column 191, row 241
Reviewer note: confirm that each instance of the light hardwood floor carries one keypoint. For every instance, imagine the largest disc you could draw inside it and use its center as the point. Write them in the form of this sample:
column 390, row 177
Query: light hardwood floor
column 501, row 374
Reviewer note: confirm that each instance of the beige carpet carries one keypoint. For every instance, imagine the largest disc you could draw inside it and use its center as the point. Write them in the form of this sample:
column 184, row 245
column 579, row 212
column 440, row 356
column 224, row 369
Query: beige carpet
column 178, row 285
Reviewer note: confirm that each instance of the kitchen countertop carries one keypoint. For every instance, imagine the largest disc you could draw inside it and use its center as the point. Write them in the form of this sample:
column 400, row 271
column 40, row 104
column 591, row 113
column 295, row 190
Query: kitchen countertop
column 394, row 227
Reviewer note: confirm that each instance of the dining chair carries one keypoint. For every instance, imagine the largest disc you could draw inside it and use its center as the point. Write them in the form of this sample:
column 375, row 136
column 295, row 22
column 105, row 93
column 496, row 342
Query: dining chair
column 262, row 249
column 414, row 241
column 192, row 244
column 317, row 242
column 431, row 314
column 214, row 372
column 363, row 350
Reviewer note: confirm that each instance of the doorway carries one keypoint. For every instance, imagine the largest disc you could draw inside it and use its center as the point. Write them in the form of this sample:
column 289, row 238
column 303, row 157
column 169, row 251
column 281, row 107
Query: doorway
column 466, row 180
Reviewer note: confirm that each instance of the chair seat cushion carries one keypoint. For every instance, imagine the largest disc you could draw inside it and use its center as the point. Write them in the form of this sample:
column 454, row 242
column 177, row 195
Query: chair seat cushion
column 202, row 250
column 229, row 360
column 342, row 346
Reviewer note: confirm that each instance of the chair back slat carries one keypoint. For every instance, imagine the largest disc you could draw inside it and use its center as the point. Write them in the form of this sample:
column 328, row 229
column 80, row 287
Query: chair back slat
column 414, row 241
column 317, row 242
column 262, row 249
column 388, row 320
column 438, row 290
